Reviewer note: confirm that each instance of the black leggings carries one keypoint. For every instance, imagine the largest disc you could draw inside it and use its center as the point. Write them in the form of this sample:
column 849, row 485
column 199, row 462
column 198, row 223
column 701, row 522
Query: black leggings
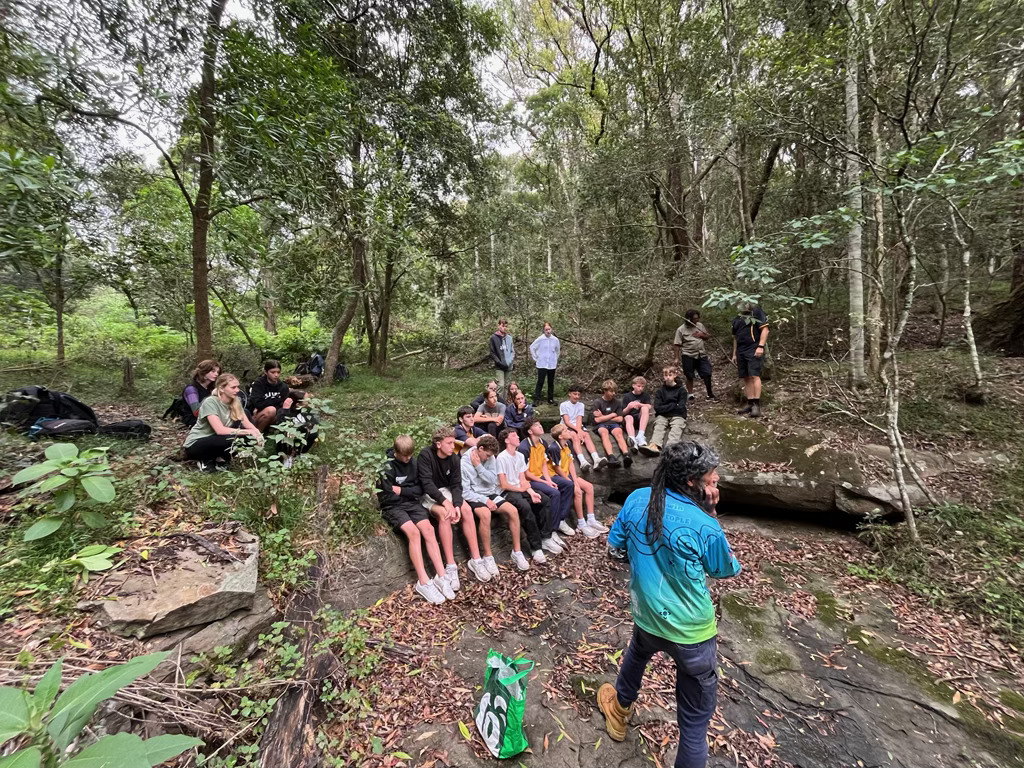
column 535, row 518
column 210, row 448
column 541, row 374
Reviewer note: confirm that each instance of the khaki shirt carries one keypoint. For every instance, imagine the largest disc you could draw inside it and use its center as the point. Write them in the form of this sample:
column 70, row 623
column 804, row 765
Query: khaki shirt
column 691, row 345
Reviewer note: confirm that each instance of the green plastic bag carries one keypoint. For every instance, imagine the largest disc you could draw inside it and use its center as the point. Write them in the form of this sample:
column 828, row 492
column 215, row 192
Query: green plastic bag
column 499, row 715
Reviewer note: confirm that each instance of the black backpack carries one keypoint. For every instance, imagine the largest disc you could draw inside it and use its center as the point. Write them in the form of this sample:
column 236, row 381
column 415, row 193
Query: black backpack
column 22, row 408
column 179, row 410
column 130, row 429
column 55, row 429
column 341, row 372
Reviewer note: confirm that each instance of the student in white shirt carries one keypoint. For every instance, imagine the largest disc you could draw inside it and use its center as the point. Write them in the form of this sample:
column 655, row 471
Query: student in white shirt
column 572, row 411
column 545, row 351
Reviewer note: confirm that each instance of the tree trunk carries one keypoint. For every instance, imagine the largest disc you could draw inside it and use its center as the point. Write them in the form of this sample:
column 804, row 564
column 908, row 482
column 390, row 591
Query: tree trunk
column 269, row 310
column 1017, row 225
column 942, row 292
column 965, row 261
column 58, row 307
column 854, row 254
column 380, row 364
column 201, row 214
column 1001, row 327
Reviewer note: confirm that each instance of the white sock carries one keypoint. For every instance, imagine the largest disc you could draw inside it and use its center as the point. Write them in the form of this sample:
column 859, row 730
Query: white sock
column 595, row 457
column 591, row 519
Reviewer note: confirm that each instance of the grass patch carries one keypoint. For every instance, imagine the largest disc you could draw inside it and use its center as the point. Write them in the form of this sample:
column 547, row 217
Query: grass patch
column 775, row 661
column 1012, row 699
column 827, row 608
column 747, row 615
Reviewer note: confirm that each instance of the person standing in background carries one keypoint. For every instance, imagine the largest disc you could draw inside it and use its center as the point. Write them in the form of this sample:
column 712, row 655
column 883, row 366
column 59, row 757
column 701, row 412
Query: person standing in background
column 502, row 352
column 545, row 351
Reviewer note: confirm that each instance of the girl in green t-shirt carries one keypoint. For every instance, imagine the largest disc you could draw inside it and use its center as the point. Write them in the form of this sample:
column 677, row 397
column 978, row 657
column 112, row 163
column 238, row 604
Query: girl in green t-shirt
column 220, row 421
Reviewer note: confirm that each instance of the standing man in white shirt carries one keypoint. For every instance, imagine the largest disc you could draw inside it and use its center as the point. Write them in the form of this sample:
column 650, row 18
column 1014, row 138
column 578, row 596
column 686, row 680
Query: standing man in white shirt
column 545, row 351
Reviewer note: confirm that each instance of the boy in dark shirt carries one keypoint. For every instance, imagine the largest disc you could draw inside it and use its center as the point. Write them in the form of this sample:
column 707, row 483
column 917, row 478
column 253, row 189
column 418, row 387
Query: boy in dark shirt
column 440, row 473
column 269, row 396
column 466, row 431
column 636, row 410
column 608, row 421
column 669, row 411
column 749, row 335
column 398, row 496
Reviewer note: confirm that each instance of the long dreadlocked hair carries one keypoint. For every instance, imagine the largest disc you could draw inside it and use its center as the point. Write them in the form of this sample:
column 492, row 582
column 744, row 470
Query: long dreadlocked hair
column 679, row 462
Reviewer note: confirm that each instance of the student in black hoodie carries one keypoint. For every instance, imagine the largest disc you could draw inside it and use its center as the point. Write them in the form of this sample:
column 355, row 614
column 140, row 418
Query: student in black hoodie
column 440, row 472
column 269, row 396
column 669, row 412
column 398, row 496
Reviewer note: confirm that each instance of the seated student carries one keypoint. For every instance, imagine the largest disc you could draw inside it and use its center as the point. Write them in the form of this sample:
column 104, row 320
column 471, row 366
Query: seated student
column 636, row 410
column 398, row 496
column 559, row 490
column 534, row 509
column 221, row 421
column 441, row 481
column 481, row 489
column 466, row 431
column 269, row 396
column 571, row 412
column 510, row 393
column 669, row 412
column 477, row 401
column 490, row 416
column 316, row 365
column 201, row 385
column 608, row 420
column 560, row 464
column 518, row 414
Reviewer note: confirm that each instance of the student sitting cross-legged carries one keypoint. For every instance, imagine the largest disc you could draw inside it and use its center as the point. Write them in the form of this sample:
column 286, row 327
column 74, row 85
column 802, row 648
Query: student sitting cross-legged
column 560, row 465
column 559, row 490
column 490, row 416
column 398, row 496
column 441, row 481
column 481, row 489
column 534, row 509
column 669, row 412
column 518, row 414
column 466, row 431
column 571, row 412
column 608, row 421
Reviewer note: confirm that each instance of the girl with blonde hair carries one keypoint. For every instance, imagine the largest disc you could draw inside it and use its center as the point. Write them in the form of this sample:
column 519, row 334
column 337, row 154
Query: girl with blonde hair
column 221, row 421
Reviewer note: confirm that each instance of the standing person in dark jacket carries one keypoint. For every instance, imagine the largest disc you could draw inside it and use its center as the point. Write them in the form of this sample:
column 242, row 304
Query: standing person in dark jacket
column 502, row 352
column 749, row 335
column 398, row 496
column 669, row 412
column 441, row 482
column 269, row 396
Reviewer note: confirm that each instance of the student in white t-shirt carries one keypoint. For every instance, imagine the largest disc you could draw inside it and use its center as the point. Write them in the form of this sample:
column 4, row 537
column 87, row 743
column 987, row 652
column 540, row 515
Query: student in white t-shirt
column 572, row 411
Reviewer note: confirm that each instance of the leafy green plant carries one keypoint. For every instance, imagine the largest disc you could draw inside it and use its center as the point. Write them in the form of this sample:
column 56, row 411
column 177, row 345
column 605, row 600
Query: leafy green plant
column 48, row 724
column 76, row 483
column 95, row 557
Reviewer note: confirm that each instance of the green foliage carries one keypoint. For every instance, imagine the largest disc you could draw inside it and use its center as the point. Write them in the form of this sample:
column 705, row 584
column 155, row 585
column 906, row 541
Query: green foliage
column 91, row 559
column 74, row 486
column 282, row 566
column 50, row 722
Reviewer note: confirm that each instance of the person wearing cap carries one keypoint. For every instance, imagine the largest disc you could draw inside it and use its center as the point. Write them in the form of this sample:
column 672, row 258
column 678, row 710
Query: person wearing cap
column 672, row 542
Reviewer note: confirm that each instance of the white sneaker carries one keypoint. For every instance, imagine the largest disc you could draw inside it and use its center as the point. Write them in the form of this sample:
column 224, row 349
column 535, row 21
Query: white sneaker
column 559, row 540
column 634, row 446
column 602, row 461
column 565, row 528
column 594, row 523
column 520, row 560
column 641, row 439
column 492, row 567
column 584, row 464
column 479, row 569
column 550, row 545
column 539, row 558
column 444, row 587
column 287, row 462
column 585, row 528
column 451, row 575
column 430, row 593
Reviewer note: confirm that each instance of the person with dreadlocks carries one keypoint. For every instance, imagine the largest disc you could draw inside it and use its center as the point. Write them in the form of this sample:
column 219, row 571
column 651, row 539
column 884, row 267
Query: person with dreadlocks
column 672, row 542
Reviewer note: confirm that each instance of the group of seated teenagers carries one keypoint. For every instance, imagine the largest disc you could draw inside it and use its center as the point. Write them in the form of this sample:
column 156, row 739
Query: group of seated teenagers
column 223, row 415
column 495, row 461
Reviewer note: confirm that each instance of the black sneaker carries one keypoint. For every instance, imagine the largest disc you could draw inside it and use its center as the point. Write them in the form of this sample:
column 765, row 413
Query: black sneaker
column 613, row 461
column 712, row 399
column 755, row 411
column 627, row 460
column 744, row 411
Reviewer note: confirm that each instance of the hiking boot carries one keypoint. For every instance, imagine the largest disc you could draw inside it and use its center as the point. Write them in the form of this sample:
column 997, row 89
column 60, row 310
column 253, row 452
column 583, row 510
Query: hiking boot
column 479, row 569
column 602, row 462
column 520, row 560
column 451, row 575
column 565, row 528
column 615, row 715
column 627, row 460
column 755, row 411
column 444, row 587
column 430, row 593
column 587, row 530
column 550, row 545
column 597, row 525
column 650, row 450
column 633, row 445
column 539, row 557
column 614, row 463
column 492, row 567
column 745, row 411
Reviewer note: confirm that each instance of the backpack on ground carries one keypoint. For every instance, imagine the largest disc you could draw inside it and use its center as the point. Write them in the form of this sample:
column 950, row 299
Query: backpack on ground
column 130, row 429
column 179, row 410
column 22, row 408
column 341, row 372
column 56, row 429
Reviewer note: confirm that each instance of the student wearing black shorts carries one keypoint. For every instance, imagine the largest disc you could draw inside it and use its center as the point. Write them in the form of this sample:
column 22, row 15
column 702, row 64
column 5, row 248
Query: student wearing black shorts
column 749, row 336
column 398, row 496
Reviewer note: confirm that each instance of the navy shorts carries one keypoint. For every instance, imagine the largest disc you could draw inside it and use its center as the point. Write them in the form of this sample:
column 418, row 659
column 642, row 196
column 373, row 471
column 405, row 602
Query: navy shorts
column 699, row 365
column 608, row 426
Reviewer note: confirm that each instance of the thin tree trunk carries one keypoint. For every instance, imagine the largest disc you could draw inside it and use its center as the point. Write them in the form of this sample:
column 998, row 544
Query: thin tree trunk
column 942, row 292
column 201, row 213
column 965, row 261
column 384, row 326
column 854, row 253
column 269, row 311
column 233, row 318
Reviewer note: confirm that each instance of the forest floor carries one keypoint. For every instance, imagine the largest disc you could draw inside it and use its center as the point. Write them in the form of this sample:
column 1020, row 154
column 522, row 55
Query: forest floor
column 836, row 650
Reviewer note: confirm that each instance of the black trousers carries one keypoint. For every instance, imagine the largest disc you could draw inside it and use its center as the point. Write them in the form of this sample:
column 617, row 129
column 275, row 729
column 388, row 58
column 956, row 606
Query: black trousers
column 534, row 517
column 210, row 448
column 541, row 374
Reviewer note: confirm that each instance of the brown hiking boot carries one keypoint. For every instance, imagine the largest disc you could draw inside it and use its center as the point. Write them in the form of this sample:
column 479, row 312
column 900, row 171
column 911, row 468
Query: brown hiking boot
column 650, row 449
column 615, row 715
